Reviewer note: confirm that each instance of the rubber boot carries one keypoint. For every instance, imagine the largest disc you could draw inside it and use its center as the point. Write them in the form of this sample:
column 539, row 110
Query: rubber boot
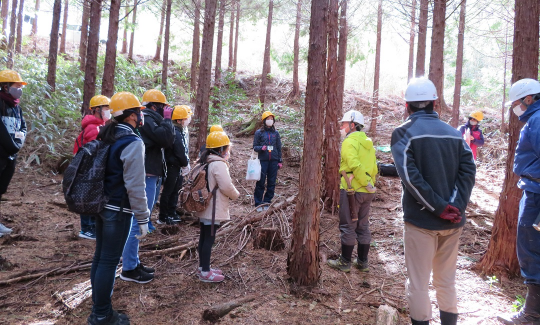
column 530, row 313
column 448, row 318
column 346, row 252
column 361, row 262
column 343, row 262
column 419, row 322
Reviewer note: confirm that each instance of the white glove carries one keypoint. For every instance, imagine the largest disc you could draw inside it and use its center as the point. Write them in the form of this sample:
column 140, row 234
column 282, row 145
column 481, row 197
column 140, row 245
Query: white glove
column 143, row 230
column 186, row 170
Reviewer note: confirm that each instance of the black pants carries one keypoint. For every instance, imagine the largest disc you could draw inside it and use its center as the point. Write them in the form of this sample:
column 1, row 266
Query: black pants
column 206, row 241
column 169, row 193
column 7, row 169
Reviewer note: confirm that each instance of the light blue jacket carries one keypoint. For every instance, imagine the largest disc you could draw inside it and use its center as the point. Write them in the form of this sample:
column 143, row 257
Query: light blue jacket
column 527, row 158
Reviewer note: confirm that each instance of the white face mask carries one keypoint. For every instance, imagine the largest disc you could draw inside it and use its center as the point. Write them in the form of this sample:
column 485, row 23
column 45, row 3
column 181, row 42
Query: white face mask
column 186, row 122
column 343, row 133
column 473, row 122
column 269, row 122
column 518, row 111
column 106, row 114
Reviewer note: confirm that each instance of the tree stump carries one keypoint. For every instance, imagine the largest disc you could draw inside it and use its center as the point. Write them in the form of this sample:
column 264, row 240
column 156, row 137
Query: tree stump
column 387, row 315
column 214, row 313
column 269, row 239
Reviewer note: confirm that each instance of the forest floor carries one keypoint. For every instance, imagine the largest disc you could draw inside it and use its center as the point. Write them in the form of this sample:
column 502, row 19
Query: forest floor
column 45, row 239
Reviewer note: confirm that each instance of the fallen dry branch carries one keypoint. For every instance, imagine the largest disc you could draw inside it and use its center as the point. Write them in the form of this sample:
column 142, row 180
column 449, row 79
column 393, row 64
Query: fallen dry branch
column 57, row 271
column 215, row 312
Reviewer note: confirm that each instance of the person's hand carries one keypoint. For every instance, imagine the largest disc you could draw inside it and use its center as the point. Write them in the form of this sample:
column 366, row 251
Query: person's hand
column 167, row 112
column 143, row 231
column 280, row 165
column 185, row 170
column 263, row 148
column 451, row 214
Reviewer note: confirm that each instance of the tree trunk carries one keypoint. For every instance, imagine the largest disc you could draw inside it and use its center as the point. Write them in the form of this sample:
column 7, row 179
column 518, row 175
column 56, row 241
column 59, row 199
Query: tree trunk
column 158, row 45
column 375, row 107
column 165, row 71
column 422, row 38
column 83, row 45
column 35, row 23
column 331, row 125
column 107, row 84
column 205, row 74
column 459, row 66
column 503, row 107
column 295, row 93
column 5, row 13
column 64, row 28
column 342, row 55
column 500, row 256
column 195, row 49
column 18, row 45
column 303, row 259
column 12, row 28
column 219, row 48
column 53, row 44
column 266, row 59
column 236, row 36
column 411, row 40
column 231, row 40
column 132, row 39
column 125, row 35
column 436, row 60
column 92, row 55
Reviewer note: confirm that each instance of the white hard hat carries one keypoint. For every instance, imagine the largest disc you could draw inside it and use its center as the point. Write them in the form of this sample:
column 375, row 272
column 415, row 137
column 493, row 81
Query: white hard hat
column 523, row 88
column 420, row 89
column 353, row 116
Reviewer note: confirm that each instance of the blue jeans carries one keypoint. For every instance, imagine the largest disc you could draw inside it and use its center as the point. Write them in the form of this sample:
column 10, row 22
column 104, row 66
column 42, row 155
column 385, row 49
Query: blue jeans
column 528, row 238
column 112, row 230
column 269, row 171
column 88, row 222
column 148, row 190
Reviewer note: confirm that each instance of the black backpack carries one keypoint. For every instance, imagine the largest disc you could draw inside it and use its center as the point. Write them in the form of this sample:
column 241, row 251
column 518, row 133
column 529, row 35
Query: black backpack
column 84, row 179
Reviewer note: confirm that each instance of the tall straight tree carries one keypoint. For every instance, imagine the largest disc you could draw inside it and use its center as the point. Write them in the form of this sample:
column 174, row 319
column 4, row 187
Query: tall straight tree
column 219, row 48
column 231, row 39
column 195, row 49
column 205, row 74
column 303, row 258
column 342, row 54
column 33, row 32
column 236, row 35
column 18, row 44
column 436, row 60
column 107, row 84
column 64, row 28
column 83, row 45
column 133, row 22
column 459, row 65
column 422, row 38
column 157, row 56
column 5, row 13
column 266, row 58
column 296, row 52
column 12, row 28
column 500, row 256
column 375, row 107
column 165, row 71
column 331, row 125
column 91, row 55
column 412, row 35
column 125, row 34
column 53, row 44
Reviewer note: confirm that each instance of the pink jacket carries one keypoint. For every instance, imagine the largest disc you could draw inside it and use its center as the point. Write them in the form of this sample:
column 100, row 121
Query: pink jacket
column 90, row 125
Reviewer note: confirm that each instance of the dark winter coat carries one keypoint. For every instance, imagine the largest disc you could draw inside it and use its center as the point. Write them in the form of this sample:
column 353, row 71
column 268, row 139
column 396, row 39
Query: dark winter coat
column 476, row 134
column 177, row 155
column 157, row 134
column 11, row 121
column 526, row 160
column 267, row 137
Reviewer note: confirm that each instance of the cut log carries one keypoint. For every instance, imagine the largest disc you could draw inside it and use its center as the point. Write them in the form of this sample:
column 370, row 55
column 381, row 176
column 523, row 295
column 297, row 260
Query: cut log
column 387, row 315
column 249, row 128
column 214, row 313
column 269, row 239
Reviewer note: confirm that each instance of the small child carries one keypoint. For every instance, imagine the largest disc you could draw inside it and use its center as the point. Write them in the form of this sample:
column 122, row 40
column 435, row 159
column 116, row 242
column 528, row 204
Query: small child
column 472, row 133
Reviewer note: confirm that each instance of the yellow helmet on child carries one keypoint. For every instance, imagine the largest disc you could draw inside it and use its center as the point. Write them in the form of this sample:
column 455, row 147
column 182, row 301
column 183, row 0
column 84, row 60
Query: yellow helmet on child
column 122, row 101
column 189, row 110
column 477, row 115
column 179, row 113
column 99, row 100
column 11, row 76
column 217, row 140
column 154, row 96
column 216, row 128
column 266, row 114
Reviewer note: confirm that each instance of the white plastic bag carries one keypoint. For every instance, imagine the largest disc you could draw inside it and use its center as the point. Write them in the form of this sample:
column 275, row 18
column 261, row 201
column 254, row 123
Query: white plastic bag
column 253, row 169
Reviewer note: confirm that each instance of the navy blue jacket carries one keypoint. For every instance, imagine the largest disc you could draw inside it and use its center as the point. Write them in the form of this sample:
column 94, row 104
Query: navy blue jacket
column 526, row 160
column 177, row 154
column 157, row 134
column 267, row 137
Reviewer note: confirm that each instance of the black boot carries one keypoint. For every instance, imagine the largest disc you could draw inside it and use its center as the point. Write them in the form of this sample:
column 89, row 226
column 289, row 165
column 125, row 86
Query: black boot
column 419, row 322
column 346, row 252
column 361, row 262
column 530, row 313
column 448, row 318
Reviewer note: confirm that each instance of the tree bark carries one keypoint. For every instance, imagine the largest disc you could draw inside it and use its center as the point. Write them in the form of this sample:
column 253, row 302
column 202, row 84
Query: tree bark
column 266, row 58
column 303, row 259
column 157, row 56
column 436, row 60
column 195, row 49
column 83, row 45
column 12, row 28
column 35, row 23
column 503, row 107
column 64, row 28
column 18, row 45
column 132, row 39
column 165, row 71
column 205, row 74
column 92, row 55
column 331, row 125
column 342, row 55
column 295, row 93
column 459, row 65
column 125, row 36
column 107, row 85
column 5, row 14
column 219, row 48
column 422, row 38
column 500, row 256
column 375, row 106
column 231, row 40
column 236, row 36
column 411, row 40
column 53, row 45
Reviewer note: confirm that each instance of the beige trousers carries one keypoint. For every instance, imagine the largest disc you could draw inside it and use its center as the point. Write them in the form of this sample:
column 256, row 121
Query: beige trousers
column 426, row 251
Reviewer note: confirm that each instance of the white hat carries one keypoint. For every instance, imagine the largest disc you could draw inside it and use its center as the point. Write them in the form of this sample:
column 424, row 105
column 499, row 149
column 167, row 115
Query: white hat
column 420, row 89
column 353, row 116
column 523, row 88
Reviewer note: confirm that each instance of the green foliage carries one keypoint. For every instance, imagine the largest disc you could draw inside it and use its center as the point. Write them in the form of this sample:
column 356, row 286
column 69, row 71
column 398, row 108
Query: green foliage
column 491, row 280
column 228, row 97
column 518, row 303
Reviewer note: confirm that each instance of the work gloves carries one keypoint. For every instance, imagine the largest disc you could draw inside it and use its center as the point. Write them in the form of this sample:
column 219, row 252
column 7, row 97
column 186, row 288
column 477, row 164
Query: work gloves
column 143, row 230
column 452, row 214
column 167, row 112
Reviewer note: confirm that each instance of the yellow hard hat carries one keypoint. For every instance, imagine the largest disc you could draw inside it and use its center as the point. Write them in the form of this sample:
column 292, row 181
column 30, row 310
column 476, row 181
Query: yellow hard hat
column 217, row 140
column 266, row 114
column 154, row 96
column 216, row 128
column 190, row 112
column 11, row 76
column 99, row 100
column 179, row 113
column 477, row 115
column 122, row 101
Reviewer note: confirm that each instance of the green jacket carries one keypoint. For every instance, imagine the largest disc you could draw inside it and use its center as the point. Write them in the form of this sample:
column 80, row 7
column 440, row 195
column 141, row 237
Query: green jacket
column 358, row 158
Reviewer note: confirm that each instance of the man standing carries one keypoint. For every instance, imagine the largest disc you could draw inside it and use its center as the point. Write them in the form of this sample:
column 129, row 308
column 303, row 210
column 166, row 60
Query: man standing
column 525, row 100
column 437, row 173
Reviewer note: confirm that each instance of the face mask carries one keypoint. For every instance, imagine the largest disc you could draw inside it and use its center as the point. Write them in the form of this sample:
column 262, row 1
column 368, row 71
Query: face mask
column 269, row 122
column 343, row 133
column 186, row 121
column 15, row 92
column 473, row 122
column 160, row 110
column 106, row 114
column 227, row 155
column 518, row 111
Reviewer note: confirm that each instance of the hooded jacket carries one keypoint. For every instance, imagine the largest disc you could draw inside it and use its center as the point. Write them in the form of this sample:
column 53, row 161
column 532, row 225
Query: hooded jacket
column 268, row 136
column 177, row 155
column 11, row 122
column 157, row 134
column 90, row 125
column 527, row 158
column 477, row 136
column 358, row 158
column 436, row 168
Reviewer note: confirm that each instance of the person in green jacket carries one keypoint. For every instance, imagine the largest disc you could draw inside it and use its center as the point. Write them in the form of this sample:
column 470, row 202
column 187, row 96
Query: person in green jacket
column 358, row 168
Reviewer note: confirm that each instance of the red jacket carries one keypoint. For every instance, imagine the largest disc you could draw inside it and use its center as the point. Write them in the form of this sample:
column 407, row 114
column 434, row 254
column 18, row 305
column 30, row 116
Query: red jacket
column 90, row 125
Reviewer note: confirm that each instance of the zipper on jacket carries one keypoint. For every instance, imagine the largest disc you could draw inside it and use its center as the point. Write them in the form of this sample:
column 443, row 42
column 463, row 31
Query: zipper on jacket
column 269, row 152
